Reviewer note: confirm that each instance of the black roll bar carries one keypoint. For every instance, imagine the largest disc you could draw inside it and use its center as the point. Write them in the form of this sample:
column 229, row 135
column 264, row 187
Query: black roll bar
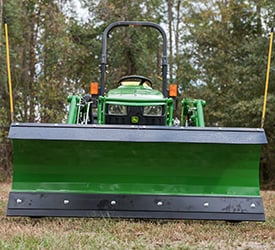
column 133, row 23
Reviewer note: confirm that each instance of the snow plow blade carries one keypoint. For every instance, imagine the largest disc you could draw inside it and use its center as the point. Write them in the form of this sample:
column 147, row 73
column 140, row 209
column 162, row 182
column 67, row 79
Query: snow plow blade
column 136, row 172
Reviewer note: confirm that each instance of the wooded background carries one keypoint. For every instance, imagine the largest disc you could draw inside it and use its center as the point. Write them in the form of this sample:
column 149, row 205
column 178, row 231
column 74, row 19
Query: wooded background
column 217, row 51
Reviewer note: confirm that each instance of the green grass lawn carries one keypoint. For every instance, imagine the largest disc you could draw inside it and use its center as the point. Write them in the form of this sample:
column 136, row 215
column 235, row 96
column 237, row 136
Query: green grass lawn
column 89, row 233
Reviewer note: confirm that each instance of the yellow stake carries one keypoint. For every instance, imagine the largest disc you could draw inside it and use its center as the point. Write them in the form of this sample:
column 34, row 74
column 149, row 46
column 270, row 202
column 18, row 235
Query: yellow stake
column 267, row 77
column 8, row 69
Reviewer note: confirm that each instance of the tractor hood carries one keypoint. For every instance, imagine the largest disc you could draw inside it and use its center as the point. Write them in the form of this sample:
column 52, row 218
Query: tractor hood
column 135, row 93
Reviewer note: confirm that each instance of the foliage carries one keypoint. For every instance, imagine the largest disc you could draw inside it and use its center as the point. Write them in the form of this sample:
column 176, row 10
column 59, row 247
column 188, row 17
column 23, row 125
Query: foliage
column 131, row 50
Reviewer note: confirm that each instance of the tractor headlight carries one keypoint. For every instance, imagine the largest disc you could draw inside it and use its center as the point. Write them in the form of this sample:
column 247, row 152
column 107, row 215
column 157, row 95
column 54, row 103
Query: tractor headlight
column 114, row 109
column 152, row 110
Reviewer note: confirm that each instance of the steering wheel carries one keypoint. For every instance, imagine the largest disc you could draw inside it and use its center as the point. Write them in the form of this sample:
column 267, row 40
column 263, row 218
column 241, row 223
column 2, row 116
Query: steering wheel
column 142, row 79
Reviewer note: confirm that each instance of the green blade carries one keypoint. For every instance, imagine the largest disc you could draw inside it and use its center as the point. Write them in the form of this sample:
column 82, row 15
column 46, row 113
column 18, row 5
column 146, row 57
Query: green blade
column 136, row 167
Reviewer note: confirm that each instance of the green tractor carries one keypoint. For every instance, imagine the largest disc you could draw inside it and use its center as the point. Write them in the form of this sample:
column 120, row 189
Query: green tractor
column 121, row 155
column 133, row 102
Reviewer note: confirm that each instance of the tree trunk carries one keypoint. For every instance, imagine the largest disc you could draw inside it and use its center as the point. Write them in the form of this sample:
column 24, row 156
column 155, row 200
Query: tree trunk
column 177, row 27
column 170, row 20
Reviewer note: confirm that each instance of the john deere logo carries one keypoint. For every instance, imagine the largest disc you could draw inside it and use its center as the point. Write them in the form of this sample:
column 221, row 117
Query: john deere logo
column 134, row 119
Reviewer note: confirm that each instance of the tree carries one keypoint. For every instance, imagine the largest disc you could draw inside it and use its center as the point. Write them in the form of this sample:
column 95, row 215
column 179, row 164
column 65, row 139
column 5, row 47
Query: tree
column 49, row 58
column 131, row 50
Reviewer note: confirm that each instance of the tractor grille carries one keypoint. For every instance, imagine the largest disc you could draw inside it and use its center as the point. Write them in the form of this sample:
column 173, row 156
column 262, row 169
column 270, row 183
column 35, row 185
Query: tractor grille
column 135, row 116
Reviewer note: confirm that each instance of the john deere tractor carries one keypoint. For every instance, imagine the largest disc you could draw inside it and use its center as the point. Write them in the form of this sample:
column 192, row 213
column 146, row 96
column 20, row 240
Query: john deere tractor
column 121, row 155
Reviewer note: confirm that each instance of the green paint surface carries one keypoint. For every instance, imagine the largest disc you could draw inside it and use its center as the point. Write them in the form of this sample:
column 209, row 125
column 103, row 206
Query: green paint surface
column 136, row 168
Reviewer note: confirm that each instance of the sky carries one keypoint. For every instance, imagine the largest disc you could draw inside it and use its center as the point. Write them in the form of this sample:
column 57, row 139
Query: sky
column 75, row 5
column 82, row 12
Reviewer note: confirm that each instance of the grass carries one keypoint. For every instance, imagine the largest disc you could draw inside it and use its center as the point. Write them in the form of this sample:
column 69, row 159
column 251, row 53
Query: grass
column 89, row 233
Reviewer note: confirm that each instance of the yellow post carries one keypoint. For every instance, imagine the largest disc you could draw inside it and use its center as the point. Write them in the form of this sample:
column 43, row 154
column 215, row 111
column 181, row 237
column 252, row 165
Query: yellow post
column 267, row 77
column 8, row 69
